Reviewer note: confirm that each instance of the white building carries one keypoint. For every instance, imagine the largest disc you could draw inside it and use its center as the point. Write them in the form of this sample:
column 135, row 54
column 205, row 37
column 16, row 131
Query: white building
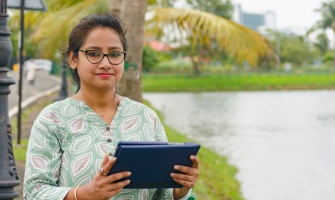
column 255, row 21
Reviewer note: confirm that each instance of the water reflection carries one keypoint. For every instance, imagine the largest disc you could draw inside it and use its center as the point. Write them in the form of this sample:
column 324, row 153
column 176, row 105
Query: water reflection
column 282, row 142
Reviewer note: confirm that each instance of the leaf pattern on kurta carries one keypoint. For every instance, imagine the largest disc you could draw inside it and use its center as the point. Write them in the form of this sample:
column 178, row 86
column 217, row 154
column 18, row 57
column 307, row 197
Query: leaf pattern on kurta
column 64, row 160
column 92, row 116
column 69, row 110
column 102, row 149
column 77, row 125
column 86, row 179
column 39, row 162
column 127, row 197
column 132, row 137
column 41, row 125
column 98, row 130
column 149, row 132
column 39, row 141
column 80, row 164
column 51, row 116
column 64, row 179
column 108, row 133
column 153, row 118
column 131, row 109
column 143, row 194
column 81, row 144
column 27, row 173
column 130, row 124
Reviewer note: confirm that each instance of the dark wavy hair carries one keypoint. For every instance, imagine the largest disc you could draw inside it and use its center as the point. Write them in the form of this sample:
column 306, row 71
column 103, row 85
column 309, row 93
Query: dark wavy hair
column 80, row 32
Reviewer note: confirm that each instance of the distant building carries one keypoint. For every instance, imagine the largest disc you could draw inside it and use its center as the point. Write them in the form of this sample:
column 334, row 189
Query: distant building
column 255, row 21
column 158, row 46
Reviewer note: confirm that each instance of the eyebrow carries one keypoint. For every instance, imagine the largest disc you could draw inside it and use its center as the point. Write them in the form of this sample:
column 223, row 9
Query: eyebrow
column 109, row 49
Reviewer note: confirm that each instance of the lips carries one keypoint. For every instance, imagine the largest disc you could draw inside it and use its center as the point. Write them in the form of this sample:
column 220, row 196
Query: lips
column 105, row 75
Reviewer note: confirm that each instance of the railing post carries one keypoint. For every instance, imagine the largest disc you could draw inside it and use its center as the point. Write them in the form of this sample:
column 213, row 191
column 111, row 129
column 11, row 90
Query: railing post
column 63, row 91
column 8, row 174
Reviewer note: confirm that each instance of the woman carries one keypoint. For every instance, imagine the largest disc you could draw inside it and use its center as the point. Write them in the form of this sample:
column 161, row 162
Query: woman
column 72, row 141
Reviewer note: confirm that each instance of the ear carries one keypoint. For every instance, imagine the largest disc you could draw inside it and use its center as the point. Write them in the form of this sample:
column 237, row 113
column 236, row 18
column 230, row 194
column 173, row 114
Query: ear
column 73, row 60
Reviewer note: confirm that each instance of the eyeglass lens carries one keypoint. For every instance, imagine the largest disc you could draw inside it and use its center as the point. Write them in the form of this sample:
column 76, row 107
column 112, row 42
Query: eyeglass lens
column 95, row 56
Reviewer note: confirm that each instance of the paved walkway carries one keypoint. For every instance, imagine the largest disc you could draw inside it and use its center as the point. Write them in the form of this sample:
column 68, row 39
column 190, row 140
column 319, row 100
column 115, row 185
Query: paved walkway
column 45, row 84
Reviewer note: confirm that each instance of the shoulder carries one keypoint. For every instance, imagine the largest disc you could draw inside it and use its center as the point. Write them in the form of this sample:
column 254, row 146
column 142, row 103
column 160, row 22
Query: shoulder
column 55, row 112
column 128, row 103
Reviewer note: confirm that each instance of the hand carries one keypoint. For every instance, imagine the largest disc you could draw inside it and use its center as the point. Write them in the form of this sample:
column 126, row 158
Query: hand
column 103, row 186
column 188, row 179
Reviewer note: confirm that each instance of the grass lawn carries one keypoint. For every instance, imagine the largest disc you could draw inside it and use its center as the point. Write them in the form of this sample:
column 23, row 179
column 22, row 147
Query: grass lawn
column 245, row 82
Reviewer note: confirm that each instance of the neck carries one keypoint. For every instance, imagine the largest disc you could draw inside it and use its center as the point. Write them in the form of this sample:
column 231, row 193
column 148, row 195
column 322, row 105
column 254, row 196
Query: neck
column 98, row 100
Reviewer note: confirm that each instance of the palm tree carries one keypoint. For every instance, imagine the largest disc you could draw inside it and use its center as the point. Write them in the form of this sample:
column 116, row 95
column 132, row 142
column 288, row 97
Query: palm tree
column 133, row 12
column 54, row 26
column 327, row 21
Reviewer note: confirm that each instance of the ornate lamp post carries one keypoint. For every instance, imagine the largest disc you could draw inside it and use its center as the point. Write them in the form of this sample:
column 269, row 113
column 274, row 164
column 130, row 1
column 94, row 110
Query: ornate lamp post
column 8, row 174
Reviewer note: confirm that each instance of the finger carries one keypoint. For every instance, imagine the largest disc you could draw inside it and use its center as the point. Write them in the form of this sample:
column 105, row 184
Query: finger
column 188, row 171
column 105, row 160
column 120, row 185
column 115, row 192
column 183, row 169
column 116, row 188
column 109, row 165
column 183, row 177
column 184, row 183
column 118, row 176
column 195, row 161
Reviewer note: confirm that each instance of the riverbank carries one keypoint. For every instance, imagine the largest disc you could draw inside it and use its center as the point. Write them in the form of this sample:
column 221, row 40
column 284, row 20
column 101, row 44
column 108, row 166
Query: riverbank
column 217, row 177
column 236, row 82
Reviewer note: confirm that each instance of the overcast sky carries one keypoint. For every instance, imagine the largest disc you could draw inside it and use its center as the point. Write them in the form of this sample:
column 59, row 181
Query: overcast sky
column 289, row 13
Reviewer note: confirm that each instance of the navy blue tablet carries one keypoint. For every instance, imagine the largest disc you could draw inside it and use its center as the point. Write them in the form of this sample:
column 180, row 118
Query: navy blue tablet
column 151, row 163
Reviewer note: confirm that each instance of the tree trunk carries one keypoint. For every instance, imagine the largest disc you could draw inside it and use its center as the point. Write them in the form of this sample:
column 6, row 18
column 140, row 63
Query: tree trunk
column 133, row 13
column 196, row 70
column 115, row 6
column 334, row 50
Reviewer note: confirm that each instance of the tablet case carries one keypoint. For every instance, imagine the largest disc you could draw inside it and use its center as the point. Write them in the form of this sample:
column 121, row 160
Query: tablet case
column 151, row 163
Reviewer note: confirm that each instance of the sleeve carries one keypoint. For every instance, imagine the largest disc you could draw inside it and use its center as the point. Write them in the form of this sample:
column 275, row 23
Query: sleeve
column 43, row 162
column 160, row 135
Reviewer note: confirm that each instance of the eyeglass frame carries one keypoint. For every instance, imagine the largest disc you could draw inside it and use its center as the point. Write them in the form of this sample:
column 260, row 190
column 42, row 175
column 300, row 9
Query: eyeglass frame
column 104, row 55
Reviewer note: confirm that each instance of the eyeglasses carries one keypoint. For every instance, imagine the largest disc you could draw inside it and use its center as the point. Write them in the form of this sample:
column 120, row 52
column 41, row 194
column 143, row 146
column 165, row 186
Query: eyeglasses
column 96, row 56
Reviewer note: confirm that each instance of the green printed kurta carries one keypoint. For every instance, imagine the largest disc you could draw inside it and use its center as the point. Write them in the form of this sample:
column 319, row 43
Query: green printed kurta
column 69, row 140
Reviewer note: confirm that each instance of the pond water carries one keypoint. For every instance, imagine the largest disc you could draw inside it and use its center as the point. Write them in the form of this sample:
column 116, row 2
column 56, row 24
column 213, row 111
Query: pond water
column 282, row 142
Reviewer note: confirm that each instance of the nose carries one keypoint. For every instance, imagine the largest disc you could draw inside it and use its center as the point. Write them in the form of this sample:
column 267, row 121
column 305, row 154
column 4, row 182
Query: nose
column 104, row 63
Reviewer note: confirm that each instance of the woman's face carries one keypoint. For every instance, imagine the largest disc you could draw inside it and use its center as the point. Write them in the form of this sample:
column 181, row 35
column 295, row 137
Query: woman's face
column 103, row 75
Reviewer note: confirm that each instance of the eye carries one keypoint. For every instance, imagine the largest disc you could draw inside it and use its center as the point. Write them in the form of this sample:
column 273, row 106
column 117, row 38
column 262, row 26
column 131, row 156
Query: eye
column 93, row 53
column 114, row 54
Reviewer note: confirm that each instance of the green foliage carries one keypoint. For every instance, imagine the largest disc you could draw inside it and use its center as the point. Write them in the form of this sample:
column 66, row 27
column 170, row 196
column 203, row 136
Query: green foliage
column 149, row 60
column 327, row 11
column 296, row 51
column 175, row 65
column 292, row 48
column 31, row 49
column 217, row 7
column 161, row 3
column 322, row 43
column 328, row 57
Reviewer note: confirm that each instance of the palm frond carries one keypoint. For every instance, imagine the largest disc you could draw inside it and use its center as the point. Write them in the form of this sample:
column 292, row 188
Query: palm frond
column 242, row 42
column 56, row 26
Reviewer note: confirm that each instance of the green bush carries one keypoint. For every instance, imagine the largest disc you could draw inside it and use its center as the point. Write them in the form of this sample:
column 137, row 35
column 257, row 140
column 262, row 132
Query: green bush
column 149, row 60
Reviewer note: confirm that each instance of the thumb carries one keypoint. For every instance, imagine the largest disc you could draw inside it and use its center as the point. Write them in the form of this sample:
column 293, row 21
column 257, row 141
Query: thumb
column 105, row 160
